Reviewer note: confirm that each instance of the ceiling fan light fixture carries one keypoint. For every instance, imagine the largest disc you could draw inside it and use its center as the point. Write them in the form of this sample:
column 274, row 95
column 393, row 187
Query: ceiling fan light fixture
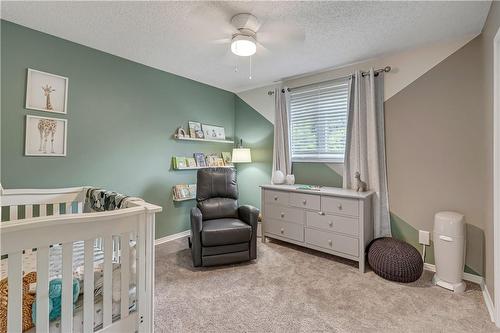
column 243, row 46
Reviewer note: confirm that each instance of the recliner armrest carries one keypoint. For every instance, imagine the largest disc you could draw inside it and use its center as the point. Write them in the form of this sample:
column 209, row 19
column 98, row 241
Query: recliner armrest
column 196, row 225
column 249, row 215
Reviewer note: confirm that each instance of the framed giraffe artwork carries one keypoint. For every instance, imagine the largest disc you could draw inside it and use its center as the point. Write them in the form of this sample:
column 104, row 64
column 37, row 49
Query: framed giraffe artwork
column 45, row 136
column 46, row 92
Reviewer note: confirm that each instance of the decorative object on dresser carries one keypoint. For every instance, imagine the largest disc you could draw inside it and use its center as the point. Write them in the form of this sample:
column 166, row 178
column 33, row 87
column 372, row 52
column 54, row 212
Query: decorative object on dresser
column 290, row 179
column 395, row 260
column 332, row 220
column 278, row 177
column 46, row 92
column 359, row 185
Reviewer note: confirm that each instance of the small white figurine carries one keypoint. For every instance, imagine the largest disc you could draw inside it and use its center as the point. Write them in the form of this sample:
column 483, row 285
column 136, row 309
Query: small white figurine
column 359, row 185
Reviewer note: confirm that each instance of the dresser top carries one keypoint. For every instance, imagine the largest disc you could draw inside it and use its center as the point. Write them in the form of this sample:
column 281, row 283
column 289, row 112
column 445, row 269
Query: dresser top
column 324, row 190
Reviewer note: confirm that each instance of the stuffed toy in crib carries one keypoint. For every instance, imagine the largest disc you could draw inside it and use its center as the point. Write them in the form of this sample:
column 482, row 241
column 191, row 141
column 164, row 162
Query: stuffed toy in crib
column 55, row 293
column 28, row 300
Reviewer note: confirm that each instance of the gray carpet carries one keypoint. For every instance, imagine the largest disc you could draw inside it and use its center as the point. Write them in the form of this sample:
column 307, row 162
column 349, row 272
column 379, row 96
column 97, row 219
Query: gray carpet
column 290, row 289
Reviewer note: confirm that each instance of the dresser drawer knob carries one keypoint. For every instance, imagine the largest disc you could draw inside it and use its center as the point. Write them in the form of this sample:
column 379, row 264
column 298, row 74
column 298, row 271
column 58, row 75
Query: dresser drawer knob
column 282, row 215
column 275, row 198
column 339, row 206
column 321, row 213
column 282, row 230
column 304, row 202
column 330, row 242
column 330, row 223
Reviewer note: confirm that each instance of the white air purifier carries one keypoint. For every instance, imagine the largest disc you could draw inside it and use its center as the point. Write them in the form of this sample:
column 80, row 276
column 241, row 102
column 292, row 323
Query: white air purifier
column 449, row 250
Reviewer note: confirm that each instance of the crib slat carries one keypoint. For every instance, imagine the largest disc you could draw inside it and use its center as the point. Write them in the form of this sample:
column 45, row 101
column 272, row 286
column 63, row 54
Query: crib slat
column 108, row 280
column 14, row 313
column 55, row 209
column 42, row 289
column 69, row 208
column 28, row 211
column 125, row 274
column 43, row 210
column 80, row 207
column 13, row 213
column 88, row 285
column 67, row 288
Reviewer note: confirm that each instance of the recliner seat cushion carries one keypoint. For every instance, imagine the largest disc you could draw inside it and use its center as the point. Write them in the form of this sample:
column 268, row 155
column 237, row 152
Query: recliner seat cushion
column 225, row 231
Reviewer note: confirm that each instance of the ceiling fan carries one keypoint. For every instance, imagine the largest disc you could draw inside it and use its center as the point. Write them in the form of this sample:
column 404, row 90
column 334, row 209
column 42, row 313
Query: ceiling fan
column 243, row 33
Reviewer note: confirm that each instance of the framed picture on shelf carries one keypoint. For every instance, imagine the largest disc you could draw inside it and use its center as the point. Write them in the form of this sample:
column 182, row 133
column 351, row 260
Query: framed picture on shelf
column 46, row 92
column 45, row 136
column 226, row 156
column 195, row 130
column 213, row 132
column 200, row 159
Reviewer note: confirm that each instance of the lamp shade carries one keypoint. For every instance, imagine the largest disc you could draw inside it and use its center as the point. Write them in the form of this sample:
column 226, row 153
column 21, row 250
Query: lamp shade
column 241, row 155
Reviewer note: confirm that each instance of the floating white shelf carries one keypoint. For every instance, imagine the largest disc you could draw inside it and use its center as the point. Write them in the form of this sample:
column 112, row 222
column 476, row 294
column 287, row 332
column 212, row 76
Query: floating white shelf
column 203, row 140
column 205, row 167
column 185, row 199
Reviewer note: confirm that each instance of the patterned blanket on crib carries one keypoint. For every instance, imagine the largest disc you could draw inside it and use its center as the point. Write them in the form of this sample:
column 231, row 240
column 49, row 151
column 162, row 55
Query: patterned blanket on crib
column 101, row 200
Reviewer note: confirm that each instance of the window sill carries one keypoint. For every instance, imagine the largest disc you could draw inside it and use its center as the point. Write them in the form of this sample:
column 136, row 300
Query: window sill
column 340, row 162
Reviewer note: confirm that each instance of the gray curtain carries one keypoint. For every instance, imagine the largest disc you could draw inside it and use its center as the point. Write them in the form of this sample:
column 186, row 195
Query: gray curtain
column 281, row 157
column 365, row 144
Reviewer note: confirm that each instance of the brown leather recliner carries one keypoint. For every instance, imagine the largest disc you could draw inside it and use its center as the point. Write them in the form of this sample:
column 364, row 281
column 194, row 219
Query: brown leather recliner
column 221, row 231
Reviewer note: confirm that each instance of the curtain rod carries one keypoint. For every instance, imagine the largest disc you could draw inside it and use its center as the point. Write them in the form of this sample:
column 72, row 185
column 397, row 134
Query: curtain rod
column 386, row 69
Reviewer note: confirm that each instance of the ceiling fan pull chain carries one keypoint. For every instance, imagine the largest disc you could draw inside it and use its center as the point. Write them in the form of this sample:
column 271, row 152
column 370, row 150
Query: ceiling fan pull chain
column 250, row 76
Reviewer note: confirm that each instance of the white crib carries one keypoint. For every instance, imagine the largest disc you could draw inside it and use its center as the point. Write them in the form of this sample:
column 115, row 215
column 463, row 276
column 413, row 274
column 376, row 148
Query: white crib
column 28, row 226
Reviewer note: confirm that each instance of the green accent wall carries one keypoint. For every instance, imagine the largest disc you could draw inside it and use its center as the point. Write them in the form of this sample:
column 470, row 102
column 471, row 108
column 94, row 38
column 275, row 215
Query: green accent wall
column 257, row 133
column 121, row 117
column 316, row 174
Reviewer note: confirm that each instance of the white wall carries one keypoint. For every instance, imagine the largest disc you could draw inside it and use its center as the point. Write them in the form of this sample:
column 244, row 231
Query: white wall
column 406, row 66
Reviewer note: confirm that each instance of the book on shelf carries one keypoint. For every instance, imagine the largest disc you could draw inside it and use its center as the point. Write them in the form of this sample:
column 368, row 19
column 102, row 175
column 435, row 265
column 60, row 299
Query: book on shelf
column 226, row 156
column 179, row 162
column 213, row 160
column 191, row 162
column 200, row 159
column 184, row 191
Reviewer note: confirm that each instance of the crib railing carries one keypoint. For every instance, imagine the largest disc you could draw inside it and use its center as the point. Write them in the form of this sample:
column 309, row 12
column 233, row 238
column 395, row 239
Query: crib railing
column 133, row 223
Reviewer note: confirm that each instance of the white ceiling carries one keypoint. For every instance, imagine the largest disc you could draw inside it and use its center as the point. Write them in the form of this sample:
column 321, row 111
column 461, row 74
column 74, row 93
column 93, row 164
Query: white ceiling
column 184, row 37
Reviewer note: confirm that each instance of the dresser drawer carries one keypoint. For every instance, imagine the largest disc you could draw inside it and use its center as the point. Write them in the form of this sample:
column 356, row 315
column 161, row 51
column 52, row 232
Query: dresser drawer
column 285, row 229
column 283, row 213
column 331, row 241
column 345, row 225
column 340, row 205
column 277, row 197
column 308, row 201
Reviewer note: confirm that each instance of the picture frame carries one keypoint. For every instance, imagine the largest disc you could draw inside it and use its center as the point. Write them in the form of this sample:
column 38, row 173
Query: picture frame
column 195, row 131
column 45, row 136
column 46, row 92
column 213, row 132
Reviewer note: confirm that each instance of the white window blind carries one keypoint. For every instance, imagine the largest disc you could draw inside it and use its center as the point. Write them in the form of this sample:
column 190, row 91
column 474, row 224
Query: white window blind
column 318, row 121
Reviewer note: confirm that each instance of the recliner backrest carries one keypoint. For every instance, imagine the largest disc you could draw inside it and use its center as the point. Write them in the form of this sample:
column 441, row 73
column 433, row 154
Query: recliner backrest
column 217, row 193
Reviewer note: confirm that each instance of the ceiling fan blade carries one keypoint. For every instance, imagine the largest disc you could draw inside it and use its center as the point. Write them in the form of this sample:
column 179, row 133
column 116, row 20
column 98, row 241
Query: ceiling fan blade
column 211, row 21
column 279, row 34
column 221, row 41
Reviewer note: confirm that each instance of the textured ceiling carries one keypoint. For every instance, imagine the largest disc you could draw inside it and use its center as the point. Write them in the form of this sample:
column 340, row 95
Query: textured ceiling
column 188, row 38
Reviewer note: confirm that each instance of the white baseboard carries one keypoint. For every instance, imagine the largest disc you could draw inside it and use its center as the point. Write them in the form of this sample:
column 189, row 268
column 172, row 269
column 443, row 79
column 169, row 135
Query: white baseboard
column 170, row 238
column 467, row 276
column 476, row 279
column 489, row 303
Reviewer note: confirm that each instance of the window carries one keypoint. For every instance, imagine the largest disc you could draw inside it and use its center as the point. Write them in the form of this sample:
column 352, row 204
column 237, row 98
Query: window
column 318, row 121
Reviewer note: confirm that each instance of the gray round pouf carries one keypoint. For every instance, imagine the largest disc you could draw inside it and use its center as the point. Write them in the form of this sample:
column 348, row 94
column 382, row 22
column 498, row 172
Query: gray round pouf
column 395, row 260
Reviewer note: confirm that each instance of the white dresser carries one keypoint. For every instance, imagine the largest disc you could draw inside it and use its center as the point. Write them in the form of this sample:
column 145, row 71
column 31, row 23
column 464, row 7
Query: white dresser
column 332, row 220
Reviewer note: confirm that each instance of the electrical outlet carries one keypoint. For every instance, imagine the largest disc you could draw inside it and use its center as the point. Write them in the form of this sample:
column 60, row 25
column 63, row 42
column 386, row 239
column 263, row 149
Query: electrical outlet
column 424, row 237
